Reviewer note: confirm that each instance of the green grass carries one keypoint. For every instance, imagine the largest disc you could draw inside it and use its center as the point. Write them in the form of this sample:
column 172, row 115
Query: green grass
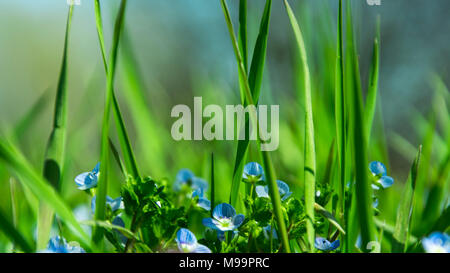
column 331, row 127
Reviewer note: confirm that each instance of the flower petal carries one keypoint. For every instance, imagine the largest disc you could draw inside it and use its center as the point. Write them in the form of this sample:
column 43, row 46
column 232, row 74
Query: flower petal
column 238, row 220
column 204, row 203
column 202, row 249
column 386, row 181
column 262, row 191
column 209, row 222
column 185, row 236
column 322, row 244
column 377, row 168
column 334, row 245
column 224, row 210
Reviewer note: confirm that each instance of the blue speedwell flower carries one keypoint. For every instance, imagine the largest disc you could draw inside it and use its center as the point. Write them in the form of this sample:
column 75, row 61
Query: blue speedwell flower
column 437, row 242
column 283, row 189
column 60, row 245
column 253, row 173
column 88, row 180
column 325, row 245
column 269, row 229
column 380, row 173
column 187, row 177
column 188, row 243
column 203, row 202
column 114, row 204
column 224, row 218
column 119, row 222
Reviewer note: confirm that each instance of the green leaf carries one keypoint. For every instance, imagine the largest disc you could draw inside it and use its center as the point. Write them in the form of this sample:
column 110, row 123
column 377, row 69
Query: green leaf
column 310, row 154
column 402, row 225
column 329, row 216
column 54, row 155
column 97, row 234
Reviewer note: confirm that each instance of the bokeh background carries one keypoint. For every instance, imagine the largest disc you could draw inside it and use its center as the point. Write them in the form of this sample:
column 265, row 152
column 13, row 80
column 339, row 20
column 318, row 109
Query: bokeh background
column 180, row 48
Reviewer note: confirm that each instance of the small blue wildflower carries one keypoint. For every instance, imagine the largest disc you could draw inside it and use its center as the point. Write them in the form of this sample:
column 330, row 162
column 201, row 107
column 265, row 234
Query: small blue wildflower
column 283, row 189
column 375, row 203
column 188, row 243
column 380, row 173
column 325, row 245
column 119, row 222
column 60, row 245
column 437, row 242
column 187, row 177
column 224, row 218
column 88, row 180
column 253, row 172
column 203, row 202
column 266, row 231
column 114, row 204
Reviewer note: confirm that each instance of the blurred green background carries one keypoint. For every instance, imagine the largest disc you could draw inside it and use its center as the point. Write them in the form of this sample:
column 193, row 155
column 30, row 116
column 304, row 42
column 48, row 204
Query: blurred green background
column 173, row 50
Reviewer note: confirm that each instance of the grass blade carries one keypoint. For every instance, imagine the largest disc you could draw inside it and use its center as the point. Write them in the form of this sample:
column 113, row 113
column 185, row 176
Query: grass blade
column 56, row 144
column 310, row 154
column 254, row 82
column 359, row 139
column 127, row 151
column 371, row 99
column 213, row 185
column 340, row 112
column 41, row 188
column 97, row 234
column 267, row 162
column 402, row 225
column 9, row 230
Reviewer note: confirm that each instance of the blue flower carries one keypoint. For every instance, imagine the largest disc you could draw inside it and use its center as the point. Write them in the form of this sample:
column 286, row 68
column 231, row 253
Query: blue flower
column 437, row 242
column 224, row 218
column 60, row 245
column 325, row 245
column 186, row 177
column 114, row 204
column 188, row 243
column 380, row 173
column 266, row 231
column 119, row 222
column 283, row 189
column 88, row 180
column 253, row 172
column 203, row 202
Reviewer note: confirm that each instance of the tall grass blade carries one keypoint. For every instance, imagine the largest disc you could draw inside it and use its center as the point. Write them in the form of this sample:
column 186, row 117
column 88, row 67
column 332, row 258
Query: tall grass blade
column 54, row 156
column 359, row 139
column 371, row 99
column 213, row 185
column 97, row 234
column 340, row 112
column 310, row 154
column 127, row 151
column 267, row 162
column 402, row 225
column 254, row 82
